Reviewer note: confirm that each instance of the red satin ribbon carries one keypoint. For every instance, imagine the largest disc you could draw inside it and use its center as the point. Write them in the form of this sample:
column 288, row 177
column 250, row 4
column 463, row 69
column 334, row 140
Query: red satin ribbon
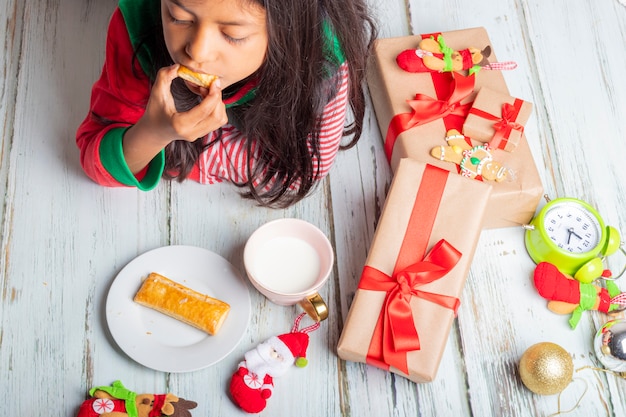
column 426, row 109
column 503, row 125
column 395, row 333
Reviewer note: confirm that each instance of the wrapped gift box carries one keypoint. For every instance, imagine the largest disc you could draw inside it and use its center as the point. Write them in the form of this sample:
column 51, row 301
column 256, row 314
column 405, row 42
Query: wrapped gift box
column 393, row 91
column 498, row 119
column 415, row 271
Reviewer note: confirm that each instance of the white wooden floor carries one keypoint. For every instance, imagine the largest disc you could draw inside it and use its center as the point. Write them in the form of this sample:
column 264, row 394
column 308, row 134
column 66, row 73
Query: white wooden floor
column 64, row 239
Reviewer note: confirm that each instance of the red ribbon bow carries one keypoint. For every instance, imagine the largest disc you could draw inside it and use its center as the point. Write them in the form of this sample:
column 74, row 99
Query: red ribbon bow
column 503, row 125
column 426, row 109
column 395, row 333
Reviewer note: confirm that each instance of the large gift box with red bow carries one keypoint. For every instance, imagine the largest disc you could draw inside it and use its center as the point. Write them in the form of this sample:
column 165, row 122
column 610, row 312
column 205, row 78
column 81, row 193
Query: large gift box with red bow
column 417, row 110
column 415, row 271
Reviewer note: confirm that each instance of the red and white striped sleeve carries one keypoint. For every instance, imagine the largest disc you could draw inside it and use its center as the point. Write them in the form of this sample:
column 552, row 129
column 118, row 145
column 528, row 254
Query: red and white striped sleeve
column 332, row 126
column 226, row 159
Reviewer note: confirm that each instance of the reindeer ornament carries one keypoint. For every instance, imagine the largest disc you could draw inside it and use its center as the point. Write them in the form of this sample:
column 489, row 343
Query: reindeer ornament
column 435, row 56
column 118, row 401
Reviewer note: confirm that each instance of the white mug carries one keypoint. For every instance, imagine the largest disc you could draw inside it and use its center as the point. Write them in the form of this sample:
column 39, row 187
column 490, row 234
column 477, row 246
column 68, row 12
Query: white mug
column 288, row 261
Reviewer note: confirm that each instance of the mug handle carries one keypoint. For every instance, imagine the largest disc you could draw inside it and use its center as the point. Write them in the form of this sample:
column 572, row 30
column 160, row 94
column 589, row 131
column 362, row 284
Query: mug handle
column 315, row 307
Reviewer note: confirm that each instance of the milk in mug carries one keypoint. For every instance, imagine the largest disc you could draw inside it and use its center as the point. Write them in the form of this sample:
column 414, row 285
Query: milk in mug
column 287, row 265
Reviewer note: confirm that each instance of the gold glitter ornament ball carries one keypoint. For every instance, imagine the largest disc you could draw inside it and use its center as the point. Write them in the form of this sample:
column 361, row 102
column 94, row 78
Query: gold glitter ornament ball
column 546, row 368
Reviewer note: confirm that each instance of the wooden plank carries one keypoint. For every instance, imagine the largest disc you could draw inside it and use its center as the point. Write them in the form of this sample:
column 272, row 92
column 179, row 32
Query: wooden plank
column 68, row 236
column 392, row 17
column 11, row 39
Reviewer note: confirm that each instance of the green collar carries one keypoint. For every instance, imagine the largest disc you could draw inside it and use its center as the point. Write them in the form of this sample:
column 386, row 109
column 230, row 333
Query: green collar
column 333, row 47
column 119, row 391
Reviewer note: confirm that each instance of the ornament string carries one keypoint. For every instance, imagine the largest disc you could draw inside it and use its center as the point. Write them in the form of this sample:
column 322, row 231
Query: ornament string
column 308, row 329
column 608, row 275
column 501, row 66
column 608, row 371
column 559, row 411
column 593, row 368
column 620, row 300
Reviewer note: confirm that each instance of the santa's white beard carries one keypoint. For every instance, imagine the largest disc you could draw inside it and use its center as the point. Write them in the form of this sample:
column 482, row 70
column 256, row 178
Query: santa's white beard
column 261, row 362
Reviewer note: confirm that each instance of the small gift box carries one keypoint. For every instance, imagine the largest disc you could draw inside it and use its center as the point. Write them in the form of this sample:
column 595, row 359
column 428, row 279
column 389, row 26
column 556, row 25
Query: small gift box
column 416, row 110
column 415, row 271
column 498, row 119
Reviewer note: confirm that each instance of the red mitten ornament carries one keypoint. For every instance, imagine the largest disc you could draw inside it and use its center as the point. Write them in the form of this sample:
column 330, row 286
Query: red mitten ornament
column 566, row 295
column 253, row 382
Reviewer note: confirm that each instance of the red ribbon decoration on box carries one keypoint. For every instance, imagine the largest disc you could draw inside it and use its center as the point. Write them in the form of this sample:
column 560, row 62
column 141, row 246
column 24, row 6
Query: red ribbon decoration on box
column 426, row 109
column 503, row 125
column 395, row 333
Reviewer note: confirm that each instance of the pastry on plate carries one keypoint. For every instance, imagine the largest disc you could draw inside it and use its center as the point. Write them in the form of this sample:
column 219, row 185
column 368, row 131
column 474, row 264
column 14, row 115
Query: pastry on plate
column 182, row 303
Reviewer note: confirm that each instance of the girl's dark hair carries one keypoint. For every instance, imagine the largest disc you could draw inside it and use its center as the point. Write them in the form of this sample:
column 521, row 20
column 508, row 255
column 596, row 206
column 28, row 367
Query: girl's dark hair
column 293, row 82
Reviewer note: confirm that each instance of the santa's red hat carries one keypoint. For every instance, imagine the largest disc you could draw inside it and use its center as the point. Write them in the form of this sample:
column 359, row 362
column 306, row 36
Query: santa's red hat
column 293, row 345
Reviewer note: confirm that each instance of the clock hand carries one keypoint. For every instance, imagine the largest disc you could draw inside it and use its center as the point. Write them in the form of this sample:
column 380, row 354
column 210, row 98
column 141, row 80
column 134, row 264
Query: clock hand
column 572, row 232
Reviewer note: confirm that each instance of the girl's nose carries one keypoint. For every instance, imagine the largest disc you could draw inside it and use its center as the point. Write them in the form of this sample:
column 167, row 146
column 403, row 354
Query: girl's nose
column 201, row 47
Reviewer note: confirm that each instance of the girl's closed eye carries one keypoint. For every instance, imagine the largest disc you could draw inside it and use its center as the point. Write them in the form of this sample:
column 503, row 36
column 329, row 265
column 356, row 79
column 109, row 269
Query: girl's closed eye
column 233, row 39
column 234, row 33
column 179, row 16
column 180, row 21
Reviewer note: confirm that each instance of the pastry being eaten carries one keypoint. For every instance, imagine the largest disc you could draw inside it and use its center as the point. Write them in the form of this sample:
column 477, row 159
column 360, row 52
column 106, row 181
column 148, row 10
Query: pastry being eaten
column 189, row 306
column 202, row 80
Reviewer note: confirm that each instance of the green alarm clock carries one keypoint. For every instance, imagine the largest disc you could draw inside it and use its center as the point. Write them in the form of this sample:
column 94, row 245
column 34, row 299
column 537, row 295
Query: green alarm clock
column 571, row 235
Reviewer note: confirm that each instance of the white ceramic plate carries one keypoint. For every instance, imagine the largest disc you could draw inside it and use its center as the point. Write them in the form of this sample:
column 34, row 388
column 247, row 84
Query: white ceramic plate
column 161, row 342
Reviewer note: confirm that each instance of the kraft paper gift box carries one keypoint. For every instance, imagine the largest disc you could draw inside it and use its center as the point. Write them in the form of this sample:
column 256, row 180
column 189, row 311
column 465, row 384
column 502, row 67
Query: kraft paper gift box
column 497, row 119
column 415, row 271
column 393, row 91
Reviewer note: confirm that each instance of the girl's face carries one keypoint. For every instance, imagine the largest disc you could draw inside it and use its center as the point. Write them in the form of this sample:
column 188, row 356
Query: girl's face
column 227, row 38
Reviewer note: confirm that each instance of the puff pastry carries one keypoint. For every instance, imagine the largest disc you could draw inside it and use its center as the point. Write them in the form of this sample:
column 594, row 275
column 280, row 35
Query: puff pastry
column 203, row 80
column 189, row 306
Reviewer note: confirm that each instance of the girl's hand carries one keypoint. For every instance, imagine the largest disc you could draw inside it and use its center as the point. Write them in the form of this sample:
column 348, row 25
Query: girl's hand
column 162, row 124
column 167, row 124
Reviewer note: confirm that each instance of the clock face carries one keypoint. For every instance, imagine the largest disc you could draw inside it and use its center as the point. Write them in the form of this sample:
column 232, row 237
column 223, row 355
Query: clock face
column 572, row 227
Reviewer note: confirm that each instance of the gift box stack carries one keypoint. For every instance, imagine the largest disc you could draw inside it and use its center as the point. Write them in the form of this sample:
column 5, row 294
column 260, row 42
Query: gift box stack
column 454, row 137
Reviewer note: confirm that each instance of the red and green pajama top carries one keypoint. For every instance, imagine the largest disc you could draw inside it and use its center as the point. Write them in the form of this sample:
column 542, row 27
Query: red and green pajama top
column 121, row 93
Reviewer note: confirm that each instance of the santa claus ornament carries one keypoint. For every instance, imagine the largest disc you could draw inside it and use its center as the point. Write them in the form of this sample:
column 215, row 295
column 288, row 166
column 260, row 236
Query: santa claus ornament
column 253, row 382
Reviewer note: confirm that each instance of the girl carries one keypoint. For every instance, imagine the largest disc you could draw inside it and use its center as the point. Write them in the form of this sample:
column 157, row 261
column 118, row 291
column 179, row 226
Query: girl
column 272, row 124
